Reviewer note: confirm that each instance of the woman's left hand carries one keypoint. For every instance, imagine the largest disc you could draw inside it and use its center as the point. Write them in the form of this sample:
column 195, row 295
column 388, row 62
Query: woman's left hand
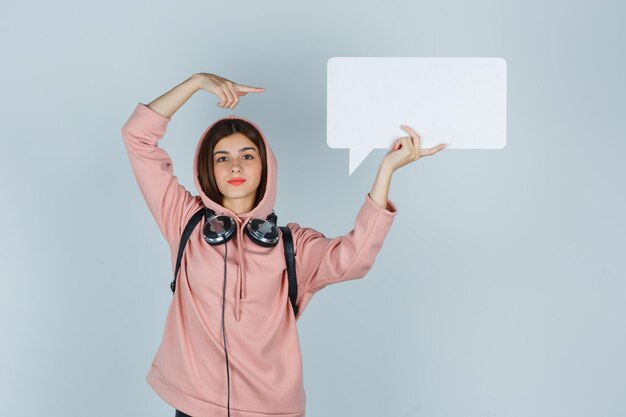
column 407, row 149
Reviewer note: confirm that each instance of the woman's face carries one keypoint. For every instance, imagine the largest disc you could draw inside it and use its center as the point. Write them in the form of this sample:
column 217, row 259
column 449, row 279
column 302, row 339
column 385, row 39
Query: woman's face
column 236, row 156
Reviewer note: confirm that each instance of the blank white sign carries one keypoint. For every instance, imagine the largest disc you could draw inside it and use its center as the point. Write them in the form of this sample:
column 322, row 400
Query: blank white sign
column 459, row 101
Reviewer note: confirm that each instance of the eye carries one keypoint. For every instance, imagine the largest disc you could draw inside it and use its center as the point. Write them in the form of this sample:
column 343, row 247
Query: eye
column 222, row 157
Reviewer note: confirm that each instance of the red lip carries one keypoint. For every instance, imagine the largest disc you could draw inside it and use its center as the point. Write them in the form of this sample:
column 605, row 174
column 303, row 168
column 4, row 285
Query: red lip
column 237, row 181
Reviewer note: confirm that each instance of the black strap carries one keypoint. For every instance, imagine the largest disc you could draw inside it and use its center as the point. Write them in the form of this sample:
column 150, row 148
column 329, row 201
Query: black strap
column 291, row 267
column 183, row 241
column 289, row 257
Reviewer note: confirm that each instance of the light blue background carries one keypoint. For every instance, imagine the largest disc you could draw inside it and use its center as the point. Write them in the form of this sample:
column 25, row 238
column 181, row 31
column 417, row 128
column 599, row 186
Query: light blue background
column 498, row 292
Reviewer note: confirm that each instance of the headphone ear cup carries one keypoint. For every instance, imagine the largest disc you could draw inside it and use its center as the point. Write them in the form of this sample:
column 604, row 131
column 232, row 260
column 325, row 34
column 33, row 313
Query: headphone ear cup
column 263, row 232
column 218, row 229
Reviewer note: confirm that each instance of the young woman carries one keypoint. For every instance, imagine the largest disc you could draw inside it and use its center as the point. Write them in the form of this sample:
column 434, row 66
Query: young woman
column 250, row 356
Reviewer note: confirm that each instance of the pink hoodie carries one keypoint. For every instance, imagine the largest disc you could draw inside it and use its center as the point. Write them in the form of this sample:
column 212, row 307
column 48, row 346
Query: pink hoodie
column 265, row 363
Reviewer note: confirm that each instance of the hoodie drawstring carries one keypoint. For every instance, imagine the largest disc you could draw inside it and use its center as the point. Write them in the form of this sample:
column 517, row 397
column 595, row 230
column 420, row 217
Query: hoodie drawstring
column 240, row 288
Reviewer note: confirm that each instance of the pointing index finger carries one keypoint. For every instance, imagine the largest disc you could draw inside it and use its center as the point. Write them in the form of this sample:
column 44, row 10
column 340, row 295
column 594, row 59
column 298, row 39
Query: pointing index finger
column 248, row 88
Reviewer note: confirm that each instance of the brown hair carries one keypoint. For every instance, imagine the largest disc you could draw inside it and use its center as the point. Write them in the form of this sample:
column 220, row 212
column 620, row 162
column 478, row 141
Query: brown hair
column 218, row 131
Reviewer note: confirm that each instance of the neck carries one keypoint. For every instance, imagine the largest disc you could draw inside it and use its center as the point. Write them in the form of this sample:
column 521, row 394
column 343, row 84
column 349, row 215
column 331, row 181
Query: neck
column 238, row 205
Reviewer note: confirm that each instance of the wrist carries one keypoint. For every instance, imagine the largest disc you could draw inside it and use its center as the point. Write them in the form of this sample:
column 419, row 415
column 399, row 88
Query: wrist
column 194, row 80
column 385, row 170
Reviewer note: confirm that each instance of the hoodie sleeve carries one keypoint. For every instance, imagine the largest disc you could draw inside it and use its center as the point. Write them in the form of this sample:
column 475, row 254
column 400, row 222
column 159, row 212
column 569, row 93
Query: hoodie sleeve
column 168, row 201
column 321, row 261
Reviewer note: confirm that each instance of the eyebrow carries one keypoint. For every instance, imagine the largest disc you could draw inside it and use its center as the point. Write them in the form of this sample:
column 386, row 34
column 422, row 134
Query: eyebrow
column 240, row 150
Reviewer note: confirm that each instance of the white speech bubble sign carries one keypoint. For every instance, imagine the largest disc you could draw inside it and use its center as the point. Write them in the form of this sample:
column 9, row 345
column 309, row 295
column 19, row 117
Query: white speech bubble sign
column 459, row 101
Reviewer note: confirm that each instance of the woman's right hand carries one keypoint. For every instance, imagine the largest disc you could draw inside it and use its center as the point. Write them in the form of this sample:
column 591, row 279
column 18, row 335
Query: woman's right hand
column 228, row 91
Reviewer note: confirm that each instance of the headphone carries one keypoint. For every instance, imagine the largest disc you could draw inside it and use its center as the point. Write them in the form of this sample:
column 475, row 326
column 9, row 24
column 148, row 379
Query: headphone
column 220, row 229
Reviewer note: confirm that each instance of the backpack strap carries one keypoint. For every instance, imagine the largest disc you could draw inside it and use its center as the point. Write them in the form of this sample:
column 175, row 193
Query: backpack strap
column 291, row 267
column 289, row 257
column 183, row 241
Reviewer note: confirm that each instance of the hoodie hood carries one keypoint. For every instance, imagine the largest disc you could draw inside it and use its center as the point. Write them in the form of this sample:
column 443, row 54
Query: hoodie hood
column 263, row 209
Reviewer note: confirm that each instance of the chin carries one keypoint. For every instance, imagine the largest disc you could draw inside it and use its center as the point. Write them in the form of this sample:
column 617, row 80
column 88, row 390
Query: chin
column 240, row 194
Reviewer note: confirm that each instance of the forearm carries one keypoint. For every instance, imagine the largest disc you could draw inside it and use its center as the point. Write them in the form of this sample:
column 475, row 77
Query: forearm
column 380, row 189
column 170, row 102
